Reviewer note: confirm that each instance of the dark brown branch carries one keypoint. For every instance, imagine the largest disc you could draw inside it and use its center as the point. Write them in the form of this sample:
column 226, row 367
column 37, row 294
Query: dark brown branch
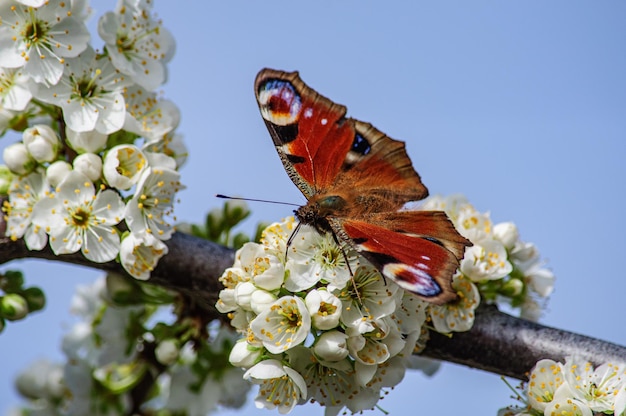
column 191, row 267
column 509, row 346
column 498, row 343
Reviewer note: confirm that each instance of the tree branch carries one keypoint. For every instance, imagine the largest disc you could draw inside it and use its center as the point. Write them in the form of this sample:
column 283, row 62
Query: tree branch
column 191, row 267
column 498, row 343
column 510, row 346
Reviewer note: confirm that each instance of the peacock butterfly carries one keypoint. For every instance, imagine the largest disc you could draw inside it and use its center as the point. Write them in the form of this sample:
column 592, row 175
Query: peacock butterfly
column 357, row 182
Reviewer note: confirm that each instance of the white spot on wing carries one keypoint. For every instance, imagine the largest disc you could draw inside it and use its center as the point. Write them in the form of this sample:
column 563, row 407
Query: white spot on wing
column 352, row 158
column 308, row 113
column 324, row 122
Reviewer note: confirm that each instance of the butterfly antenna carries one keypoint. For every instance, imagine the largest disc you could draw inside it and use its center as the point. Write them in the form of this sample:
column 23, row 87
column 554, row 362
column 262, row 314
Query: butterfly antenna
column 255, row 200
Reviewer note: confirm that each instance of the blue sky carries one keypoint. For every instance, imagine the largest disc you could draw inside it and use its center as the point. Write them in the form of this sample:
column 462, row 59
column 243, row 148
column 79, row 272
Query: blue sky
column 521, row 106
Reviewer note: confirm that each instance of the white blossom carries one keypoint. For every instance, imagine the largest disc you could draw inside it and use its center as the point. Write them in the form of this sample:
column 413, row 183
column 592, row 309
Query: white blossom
column 139, row 46
column 367, row 297
column 123, row 166
column 152, row 204
column 39, row 40
column 90, row 94
column 139, row 255
column 281, row 386
column 457, row 315
column 325, row 309
column 16, row 89
column 285, row 324
column 545, row 378
column 86, row 141
column 331, row 346
column 172, row 145
column 564, row 404
column 148, row 115
column 597, row 387
column 486, row 260
column 76, row 218
column 24, row 193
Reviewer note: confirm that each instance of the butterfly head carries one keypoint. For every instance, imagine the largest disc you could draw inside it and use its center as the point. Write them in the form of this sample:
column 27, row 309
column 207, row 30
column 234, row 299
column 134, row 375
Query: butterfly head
column 319, row 208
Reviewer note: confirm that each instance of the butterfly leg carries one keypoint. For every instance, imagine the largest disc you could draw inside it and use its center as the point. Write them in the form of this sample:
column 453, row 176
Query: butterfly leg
column 290, row 240
column 345, row 256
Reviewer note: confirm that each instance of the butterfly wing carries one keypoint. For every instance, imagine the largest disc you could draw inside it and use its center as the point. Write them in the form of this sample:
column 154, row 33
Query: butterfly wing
column 321, row 149
column 419, row 250
column 361, row 177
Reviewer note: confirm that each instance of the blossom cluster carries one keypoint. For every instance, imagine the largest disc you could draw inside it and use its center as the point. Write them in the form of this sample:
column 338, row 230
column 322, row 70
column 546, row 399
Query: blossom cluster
column 506, row 269
column 320, row 323
column 96, row 169
column 573, row 388
column 116, row 347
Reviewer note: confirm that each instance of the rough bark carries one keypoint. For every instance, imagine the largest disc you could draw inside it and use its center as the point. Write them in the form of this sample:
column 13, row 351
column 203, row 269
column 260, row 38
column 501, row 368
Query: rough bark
column 498, row 343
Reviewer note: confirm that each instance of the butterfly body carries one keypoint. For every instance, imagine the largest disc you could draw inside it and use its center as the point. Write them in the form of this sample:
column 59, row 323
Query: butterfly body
column 357, row 182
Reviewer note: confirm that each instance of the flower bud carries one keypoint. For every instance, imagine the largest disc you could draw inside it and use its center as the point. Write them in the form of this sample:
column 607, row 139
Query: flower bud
column 57, row 171
column 325, row 309
column 524, row 252
column 512, row 288
column 123, row 166
column 5, row 179
column 243, row 294
column 13, row 307
column 11, row 281
column 90, row 165
column 243, row 354
column 167, row 351
column 86, row 141
column 260, row 300
column 35, row 298
column 18, row 160
column 42, row 142
column 226, row 302
column 331, row 346
column 506, row 233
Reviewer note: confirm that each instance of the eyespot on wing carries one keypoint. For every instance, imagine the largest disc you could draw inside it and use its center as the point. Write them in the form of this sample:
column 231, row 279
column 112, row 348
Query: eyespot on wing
column 279, row 102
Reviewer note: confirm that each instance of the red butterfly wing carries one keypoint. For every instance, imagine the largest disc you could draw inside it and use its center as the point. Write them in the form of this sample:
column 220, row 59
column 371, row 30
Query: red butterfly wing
column 419, row 250
column 305, row 128
column 323, row 150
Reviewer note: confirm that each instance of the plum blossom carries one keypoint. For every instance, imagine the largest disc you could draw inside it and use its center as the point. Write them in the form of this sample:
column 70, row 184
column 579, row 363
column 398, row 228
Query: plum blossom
column 76, row 218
